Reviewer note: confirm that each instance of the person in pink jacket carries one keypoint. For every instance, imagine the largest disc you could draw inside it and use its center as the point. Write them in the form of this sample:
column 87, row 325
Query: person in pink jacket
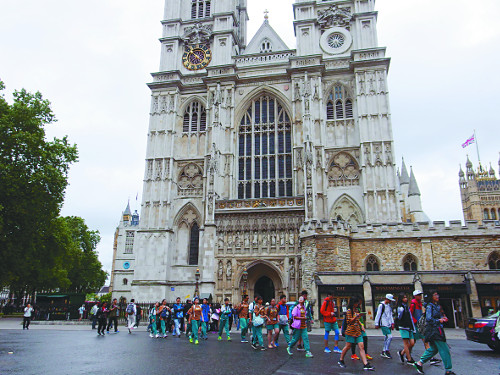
column 300, row 328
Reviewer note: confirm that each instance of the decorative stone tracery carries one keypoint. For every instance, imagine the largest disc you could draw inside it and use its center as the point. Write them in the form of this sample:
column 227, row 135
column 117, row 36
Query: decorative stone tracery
column 343, row 170
column 190, row 181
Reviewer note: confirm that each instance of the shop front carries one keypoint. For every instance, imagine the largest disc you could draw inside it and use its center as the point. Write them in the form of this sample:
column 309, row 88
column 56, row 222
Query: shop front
column 489, row 298
column 342, row 295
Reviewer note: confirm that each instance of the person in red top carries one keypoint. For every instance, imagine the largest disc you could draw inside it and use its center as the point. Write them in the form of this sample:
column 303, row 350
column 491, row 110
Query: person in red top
column 330, row 319
column 417, row 310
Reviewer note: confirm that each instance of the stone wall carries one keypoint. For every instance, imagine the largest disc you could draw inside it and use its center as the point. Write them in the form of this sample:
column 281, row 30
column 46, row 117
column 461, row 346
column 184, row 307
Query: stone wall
column 339, row 248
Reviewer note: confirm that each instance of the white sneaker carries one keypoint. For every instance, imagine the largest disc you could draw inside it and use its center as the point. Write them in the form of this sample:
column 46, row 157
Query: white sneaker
column 157, row 335
column 151, row 335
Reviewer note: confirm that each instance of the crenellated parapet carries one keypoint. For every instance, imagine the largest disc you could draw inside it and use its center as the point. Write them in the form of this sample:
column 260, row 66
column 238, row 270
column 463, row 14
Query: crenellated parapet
column 402, row 230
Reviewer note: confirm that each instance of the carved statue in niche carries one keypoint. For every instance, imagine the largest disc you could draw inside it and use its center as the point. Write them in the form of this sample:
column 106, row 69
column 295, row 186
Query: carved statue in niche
column 220, row 270
column 247, row 240
column 309, row 203
column 255, row 239
column 221, row 241
column 282, row 238
column 297, row 92
column 211, row 198
column 300, row 162
column 273, row 238
column 291, row 272
column 291, row 238
column 229, row 270
column 230, row 240
column 237, row 241
column 265, row 239
column 388, row 154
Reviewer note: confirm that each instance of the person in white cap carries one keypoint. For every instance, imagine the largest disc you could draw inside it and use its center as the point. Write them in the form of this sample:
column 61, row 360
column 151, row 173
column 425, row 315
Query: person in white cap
column 385, row 320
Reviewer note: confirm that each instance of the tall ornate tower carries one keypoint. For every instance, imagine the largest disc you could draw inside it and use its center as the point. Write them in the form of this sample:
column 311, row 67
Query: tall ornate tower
column 250, row 146
column 480, row 193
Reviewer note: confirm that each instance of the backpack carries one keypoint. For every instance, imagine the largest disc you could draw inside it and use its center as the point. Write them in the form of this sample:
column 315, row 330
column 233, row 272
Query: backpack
column 344, row 325
column 397, row 321
column 422, row 325
column 163, row 313
column 381, row 315
column 130, row 309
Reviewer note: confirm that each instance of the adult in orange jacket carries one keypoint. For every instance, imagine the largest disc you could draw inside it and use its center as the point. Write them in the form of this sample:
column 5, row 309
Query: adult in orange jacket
column 330, row 320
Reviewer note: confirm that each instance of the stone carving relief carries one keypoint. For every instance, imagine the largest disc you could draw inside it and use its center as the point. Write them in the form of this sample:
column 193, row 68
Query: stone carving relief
column 347, row 210
column 335, row 16
column 190, row 181
column 229, row 270
column 343, row 170
column 259, row 233
column 198, row 34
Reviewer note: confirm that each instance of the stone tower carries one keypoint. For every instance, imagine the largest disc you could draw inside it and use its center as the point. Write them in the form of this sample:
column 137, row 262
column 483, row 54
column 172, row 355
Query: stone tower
column 480, row 193
column 251, row 143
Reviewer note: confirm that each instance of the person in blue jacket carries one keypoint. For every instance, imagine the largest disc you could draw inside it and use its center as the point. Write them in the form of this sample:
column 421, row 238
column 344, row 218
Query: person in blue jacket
column 205, row 318
column 178, row 315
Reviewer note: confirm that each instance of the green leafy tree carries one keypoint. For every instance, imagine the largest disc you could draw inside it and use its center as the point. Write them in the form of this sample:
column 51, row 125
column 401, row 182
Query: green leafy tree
column 83, row 267
column 33, row 179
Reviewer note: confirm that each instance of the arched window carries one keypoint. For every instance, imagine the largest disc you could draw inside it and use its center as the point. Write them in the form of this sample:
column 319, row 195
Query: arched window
column 125, row 281
column 410, row 263
column 195, row 119
column 265, row 151
column 493, row 214
column 486, row 214
column 494, row 261
column 266, row 46
column 339, row 105
column 194, row 244
column 200, row 9
column 372, row 264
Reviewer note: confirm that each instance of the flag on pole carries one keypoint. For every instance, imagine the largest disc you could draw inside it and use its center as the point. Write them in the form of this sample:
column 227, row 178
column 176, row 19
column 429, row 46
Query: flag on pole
column 470, row 141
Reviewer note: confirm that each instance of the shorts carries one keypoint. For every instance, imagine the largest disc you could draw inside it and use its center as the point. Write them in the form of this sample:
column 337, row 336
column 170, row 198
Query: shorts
column 363, row 334
column 331, row 326
column 386, row 331
column 406, row 334
column 353, row 340
column 270, row 327
column 417, row 336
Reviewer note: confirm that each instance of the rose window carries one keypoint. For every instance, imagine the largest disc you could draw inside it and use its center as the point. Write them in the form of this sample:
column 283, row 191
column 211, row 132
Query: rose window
column 336, row 40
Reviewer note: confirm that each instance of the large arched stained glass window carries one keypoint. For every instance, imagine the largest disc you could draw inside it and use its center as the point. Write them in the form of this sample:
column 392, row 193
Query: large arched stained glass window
column 265, row 151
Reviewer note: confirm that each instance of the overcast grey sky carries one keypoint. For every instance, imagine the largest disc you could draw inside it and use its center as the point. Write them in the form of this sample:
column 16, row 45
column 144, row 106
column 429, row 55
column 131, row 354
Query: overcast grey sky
column 92, row 60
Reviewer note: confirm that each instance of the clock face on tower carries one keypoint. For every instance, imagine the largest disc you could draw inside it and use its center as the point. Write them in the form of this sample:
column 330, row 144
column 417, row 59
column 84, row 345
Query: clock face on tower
column 197, row 57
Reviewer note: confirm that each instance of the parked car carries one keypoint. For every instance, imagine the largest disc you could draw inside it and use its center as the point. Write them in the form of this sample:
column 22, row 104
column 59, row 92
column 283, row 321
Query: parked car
column 482, row 330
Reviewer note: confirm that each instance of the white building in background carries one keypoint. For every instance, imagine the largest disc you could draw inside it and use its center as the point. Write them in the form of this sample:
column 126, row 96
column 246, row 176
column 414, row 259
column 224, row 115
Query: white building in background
column 250, row 141
column 122, row 272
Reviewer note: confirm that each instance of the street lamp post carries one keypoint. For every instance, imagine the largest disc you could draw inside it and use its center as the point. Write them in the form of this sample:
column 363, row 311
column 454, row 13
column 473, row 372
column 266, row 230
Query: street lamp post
column 245, row 279
column 197, row 277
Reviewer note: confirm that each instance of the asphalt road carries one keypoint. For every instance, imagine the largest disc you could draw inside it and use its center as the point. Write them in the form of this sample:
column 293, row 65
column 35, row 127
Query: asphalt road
column 56, row 352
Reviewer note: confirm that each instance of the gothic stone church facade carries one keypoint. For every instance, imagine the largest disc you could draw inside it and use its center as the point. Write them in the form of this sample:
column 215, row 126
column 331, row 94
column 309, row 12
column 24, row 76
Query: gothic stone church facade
column 259, row 155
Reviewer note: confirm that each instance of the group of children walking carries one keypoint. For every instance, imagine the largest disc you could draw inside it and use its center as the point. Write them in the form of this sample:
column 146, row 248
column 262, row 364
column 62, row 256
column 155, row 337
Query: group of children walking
column 413, row 320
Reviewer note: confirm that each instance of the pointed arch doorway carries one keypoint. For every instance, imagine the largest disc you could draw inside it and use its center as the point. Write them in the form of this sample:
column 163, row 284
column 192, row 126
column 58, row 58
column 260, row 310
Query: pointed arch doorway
column 264, row 287
column 264, row 279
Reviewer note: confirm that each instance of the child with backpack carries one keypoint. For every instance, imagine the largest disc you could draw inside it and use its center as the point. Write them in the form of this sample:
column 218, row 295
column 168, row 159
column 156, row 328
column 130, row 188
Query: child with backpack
column 353, row 334
column 417, row 311
column 131, row 312
column 435, row 336
column 385, row 320
column 404, row 322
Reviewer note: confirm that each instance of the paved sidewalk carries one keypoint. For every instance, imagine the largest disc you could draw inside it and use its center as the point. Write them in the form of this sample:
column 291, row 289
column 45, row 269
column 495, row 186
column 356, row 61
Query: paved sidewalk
column 63, row 325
